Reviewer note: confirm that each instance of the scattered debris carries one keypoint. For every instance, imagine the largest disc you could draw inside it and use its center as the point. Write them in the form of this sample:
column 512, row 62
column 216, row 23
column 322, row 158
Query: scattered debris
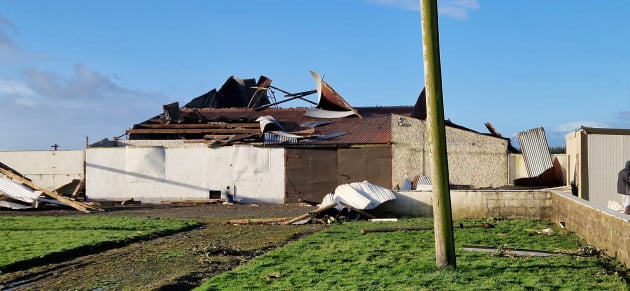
column 504, row 251
column 546, row 231
column 279, row 220
column 383, row 219
column 192, row 201
column 19, row 188
column 348, row 199
column 616, row 206
column 310, row 214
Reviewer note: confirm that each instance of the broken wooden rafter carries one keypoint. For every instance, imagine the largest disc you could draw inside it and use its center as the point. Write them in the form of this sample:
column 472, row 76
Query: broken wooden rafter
column 74, row 204
column 310, row 213
column 191, row 130
column 199, row 125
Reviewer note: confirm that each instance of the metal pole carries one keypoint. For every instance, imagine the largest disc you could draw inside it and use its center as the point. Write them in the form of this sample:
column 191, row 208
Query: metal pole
column 442, row 216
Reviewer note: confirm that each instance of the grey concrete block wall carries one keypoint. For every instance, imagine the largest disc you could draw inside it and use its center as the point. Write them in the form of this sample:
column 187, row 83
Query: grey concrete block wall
column 604, row 229
column 475, row 204
column 474, row 159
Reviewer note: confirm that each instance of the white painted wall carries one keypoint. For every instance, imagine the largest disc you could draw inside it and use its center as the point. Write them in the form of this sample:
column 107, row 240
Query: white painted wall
column 49, row 169
column 154, row 174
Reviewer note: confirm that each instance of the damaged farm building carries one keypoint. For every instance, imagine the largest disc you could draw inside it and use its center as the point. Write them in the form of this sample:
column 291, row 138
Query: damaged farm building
column 237, row 142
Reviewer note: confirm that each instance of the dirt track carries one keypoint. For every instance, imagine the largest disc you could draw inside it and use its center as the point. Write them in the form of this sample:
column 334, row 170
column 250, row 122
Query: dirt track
column 176, row 262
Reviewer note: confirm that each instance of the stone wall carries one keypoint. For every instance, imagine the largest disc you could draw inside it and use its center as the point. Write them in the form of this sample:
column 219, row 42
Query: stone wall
column 474, row 159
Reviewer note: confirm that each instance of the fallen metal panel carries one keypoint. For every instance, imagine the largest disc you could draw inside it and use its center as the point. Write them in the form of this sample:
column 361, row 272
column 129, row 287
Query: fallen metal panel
column 18, row 191
column 13, row 205
column 350, row 196
column 329, row 99
column 267, row 122
column 328, row 200
column 321, row 113
column 362, row 195
column 535, row 151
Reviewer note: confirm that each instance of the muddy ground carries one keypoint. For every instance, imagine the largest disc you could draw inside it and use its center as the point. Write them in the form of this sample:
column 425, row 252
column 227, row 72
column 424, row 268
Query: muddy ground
column 180, row 261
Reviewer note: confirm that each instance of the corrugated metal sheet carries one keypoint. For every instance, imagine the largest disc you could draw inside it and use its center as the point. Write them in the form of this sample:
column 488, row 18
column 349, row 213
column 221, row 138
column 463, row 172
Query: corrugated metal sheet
column 535, row 151
column 321, row 113
column 268, row 122
column 18, row 191
column 607, row 155
column 278, row 137
column 362, row 195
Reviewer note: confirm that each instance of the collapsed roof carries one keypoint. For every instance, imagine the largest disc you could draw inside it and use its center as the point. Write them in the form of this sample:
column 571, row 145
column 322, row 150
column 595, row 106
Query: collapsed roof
column 246, row 111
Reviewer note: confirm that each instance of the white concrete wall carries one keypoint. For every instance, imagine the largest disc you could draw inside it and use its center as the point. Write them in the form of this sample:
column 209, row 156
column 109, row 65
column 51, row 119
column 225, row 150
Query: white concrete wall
column 49, row 169
column 154, row 174
column 517, row 168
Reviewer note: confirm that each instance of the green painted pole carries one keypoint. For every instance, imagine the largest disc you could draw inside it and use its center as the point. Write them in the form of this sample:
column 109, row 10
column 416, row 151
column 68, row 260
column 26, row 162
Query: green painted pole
column 442, row 215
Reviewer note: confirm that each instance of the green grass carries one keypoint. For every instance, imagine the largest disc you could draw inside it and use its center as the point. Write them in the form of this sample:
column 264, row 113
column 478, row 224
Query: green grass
column 340, row 258
column 27, row 240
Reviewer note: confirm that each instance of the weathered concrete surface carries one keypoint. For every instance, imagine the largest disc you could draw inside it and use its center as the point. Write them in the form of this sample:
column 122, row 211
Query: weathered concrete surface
column 602, row 228
column 475, row 204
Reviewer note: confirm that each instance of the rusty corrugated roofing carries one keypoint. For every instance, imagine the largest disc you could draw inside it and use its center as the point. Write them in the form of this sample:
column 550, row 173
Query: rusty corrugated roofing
column 373, row 128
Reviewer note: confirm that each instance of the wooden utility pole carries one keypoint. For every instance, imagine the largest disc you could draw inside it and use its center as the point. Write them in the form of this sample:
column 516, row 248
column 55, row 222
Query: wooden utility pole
column 442, row 216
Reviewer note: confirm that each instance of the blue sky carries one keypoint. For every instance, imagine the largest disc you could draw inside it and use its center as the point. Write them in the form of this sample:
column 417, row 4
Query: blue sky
column 71, row 69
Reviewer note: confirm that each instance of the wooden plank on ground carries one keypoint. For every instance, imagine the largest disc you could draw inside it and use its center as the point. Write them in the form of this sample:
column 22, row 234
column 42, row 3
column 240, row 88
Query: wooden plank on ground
column 393, row 229
column 259, row 220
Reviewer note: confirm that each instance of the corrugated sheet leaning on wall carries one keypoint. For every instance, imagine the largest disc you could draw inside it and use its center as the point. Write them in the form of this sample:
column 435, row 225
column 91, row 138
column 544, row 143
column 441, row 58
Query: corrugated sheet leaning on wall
column 535, row 150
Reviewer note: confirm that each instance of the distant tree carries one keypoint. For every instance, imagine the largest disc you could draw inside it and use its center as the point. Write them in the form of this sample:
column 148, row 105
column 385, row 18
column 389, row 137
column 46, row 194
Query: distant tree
column 558, row 150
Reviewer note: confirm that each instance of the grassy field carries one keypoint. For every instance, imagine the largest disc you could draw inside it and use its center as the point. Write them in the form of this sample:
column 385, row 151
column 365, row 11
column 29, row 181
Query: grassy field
column 28, row 240
column 341, row 258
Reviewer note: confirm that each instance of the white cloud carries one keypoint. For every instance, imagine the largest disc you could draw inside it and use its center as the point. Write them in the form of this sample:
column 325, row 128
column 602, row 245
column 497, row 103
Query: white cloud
column 403, row 4
column 458, row 9
column 574, row 125
column 84, row 83
column 15, row 88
